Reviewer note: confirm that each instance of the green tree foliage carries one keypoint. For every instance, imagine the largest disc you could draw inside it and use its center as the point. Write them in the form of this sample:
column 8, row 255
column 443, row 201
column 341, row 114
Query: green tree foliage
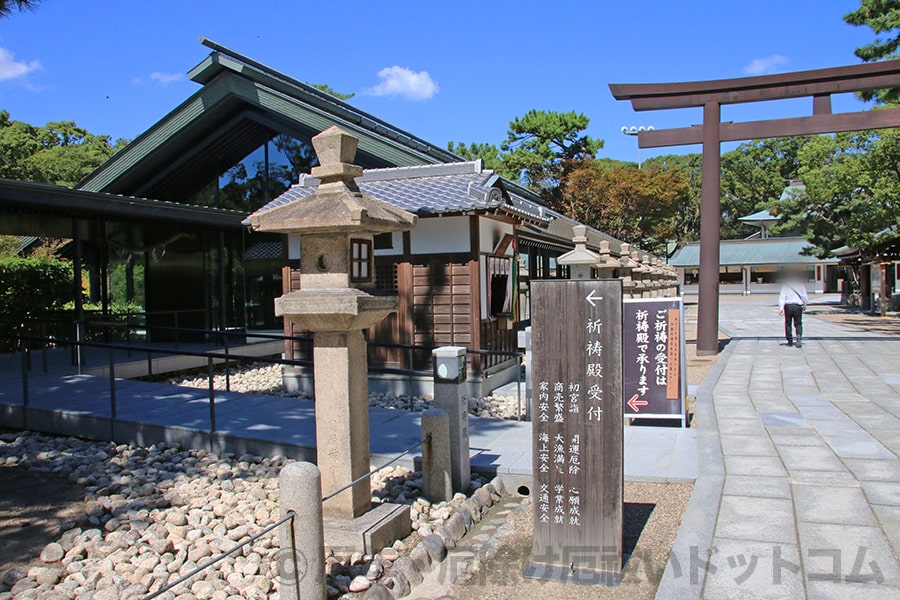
column 60, row 152
column 687, row 213
column 852, row 190
column 46, row 283
column 323, row 87
column 753, row 175
column 639, row 206
column 7, row 6
column 541, row 147
column 883, row 18
column 489, row 153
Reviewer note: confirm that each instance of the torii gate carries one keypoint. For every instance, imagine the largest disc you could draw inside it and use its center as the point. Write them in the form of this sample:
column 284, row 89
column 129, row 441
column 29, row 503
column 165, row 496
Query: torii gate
column 711, row 95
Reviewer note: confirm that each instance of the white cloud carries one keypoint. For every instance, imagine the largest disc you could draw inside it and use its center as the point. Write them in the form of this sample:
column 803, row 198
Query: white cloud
column 166, row 78
column 400, row 81
column 769, row 64
column 10, row 69
column 160, row 78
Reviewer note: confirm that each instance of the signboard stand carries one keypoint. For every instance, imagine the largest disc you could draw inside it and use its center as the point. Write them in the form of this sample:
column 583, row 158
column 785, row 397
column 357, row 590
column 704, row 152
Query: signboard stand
column 577, row 431
column 653, row 352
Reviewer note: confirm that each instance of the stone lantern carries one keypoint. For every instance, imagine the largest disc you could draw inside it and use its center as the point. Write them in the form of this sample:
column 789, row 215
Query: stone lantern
column 638, row 273
column 652, row 274
column 580, row 260
column 337, row 302
column 608, row 263
column 626, row 271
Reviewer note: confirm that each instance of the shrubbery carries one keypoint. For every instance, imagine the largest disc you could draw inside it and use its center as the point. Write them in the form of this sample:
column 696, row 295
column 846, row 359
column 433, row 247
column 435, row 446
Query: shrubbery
column 30, row 287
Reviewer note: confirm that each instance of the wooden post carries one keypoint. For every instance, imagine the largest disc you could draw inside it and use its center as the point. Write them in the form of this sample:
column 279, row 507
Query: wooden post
column 578, row 420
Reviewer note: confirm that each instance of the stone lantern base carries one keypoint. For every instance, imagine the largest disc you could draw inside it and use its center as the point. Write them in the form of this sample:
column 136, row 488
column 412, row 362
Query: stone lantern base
column 369, row 533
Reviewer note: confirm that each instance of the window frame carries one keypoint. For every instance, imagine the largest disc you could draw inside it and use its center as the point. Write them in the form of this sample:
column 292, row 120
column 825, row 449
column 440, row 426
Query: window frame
column 362, row 261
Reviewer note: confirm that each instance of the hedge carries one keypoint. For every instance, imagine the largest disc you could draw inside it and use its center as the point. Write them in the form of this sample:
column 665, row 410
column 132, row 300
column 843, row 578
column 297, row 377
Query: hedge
column 30, row 287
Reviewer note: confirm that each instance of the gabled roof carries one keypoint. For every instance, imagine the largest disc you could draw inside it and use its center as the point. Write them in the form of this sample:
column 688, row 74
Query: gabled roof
column 430, row 190
column 241, row 105
column 773, row 251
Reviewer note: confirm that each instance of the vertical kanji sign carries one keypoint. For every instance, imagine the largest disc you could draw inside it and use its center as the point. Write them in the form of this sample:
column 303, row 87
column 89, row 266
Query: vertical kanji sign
column 577, row 430
column 653, row 353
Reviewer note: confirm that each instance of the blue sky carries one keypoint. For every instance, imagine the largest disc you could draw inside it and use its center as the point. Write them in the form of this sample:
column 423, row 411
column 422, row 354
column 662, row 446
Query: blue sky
column 443, row 71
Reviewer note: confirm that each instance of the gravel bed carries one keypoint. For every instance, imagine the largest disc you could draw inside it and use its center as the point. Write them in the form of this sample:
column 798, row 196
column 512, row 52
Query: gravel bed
column 151, row 514
column 265, row 378
column 653, row 513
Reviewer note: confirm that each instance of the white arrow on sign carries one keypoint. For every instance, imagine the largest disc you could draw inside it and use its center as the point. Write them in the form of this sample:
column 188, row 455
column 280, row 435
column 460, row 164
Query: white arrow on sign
column 591, row 297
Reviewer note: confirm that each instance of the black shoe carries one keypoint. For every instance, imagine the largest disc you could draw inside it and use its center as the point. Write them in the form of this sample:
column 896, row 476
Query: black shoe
column 789, row 343
column 799, row 343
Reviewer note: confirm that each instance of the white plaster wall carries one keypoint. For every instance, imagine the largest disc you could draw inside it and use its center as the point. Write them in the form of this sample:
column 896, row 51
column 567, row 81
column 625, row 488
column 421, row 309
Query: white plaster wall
column 440, row 235
column 490, row 234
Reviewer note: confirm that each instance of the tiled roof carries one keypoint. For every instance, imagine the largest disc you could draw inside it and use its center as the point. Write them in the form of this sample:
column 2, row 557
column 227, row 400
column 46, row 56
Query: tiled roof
column 772, row 251
column 430, row 190
column 263, row 251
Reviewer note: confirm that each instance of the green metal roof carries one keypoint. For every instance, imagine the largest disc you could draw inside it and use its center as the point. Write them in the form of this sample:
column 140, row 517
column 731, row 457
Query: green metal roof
column 773, row 251
column 239, row 107
column 47, row 200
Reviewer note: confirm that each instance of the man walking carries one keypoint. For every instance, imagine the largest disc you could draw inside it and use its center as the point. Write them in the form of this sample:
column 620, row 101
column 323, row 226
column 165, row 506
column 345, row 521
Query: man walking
column 791, row 303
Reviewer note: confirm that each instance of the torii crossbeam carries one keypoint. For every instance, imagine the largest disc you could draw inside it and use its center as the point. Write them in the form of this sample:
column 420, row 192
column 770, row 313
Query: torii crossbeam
column 819, row 84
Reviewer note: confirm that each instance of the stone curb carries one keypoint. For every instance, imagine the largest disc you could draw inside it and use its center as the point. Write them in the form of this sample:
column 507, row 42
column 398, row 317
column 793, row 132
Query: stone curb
column 699, row 520
column 400, row 581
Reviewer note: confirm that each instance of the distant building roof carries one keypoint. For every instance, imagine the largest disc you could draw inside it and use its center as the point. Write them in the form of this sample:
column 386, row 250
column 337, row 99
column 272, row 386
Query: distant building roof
column 773, row 251
column 760, row 217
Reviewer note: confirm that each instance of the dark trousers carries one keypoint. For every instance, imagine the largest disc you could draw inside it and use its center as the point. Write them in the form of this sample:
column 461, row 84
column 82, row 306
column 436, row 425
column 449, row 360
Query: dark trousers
column 793, row 313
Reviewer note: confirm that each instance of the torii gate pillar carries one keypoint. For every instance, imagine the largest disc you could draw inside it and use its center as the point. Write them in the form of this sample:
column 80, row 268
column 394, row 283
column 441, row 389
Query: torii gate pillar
column 710, row 221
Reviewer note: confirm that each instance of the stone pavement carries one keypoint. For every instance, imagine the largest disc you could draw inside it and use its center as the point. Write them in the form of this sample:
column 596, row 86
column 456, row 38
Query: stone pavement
column 798, row 494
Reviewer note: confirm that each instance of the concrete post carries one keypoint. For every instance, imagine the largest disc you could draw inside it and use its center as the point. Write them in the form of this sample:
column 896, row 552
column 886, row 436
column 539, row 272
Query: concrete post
column 450, row 395
column 301, row 564
column 437, row 480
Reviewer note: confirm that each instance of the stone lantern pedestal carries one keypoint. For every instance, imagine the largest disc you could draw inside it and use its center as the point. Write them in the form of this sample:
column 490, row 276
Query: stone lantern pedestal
column 337, row 303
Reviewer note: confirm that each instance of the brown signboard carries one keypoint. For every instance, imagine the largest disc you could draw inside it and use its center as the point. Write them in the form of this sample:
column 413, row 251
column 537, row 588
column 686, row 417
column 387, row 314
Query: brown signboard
column 577, row 427
column 653, row 353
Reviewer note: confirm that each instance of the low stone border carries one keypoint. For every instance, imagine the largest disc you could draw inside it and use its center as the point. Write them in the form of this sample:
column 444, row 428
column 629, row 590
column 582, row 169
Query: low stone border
column 409, row 571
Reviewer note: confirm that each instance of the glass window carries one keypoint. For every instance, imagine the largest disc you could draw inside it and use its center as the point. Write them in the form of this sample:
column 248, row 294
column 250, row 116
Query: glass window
column 360, row 261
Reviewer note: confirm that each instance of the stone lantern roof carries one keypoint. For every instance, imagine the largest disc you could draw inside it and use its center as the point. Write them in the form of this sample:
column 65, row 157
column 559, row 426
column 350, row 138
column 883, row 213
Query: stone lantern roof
column 337, row 206
column 580, row 255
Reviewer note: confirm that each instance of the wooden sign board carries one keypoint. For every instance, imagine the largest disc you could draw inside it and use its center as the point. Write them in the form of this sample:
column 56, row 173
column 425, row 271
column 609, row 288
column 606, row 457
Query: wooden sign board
column 654, row 357
column 577, row 431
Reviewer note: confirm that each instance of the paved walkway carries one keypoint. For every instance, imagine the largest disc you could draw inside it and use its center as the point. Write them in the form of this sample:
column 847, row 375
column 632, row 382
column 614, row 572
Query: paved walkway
column 147, row 413
column 799, row 487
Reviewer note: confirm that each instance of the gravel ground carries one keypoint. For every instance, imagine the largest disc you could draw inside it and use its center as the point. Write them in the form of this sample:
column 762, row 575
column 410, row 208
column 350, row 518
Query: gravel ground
column 264, row 378
column 652, row 516
column 119, row 521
